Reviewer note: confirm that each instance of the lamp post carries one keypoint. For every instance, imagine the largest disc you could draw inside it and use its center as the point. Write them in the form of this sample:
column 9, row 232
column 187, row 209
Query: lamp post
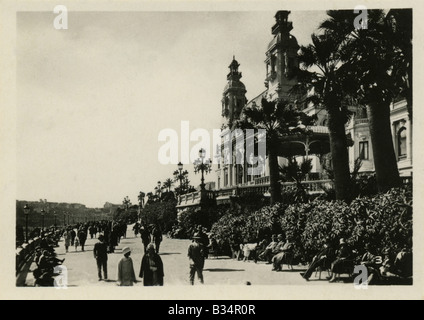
column 68, row 217
column 55, row 218
column 26, row 212
column 180, row 169
column 159, row 188
column 43, row 212
column 64, row 218
column 200, row 165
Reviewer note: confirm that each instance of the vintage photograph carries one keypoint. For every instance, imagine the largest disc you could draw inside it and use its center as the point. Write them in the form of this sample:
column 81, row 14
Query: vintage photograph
column 203, row 148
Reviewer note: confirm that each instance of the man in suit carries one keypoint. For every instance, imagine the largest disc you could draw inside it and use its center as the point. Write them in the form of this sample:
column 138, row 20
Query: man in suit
column 323, row 259
column 197, row 258
column 100, row 254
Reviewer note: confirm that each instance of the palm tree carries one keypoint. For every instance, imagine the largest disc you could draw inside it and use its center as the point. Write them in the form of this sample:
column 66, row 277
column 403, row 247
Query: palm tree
column 378, row 72
column 127, row 203
column 321, row 78
column 279, row 119
column 141, row 197
column 167, row 184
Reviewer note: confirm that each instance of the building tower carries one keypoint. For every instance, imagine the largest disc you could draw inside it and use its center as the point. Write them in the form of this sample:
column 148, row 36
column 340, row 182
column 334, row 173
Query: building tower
column 234, row 99
column 281, row 59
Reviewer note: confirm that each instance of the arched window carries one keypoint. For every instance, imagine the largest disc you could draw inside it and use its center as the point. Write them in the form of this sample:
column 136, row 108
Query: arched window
column 401, row 139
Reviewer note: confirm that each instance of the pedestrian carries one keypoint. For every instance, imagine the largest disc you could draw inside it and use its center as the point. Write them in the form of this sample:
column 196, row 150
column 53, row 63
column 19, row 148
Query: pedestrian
column 82, row 235
column 145, row 237
column 126, row 274
column 151, row 268
column 73, row 235
column 76, row 243
column 197, row 258
column 67, row 238
column 157, row 237
column 100, row 254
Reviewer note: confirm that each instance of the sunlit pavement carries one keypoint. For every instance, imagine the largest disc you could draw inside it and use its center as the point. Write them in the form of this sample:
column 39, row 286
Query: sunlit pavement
column 82, row 269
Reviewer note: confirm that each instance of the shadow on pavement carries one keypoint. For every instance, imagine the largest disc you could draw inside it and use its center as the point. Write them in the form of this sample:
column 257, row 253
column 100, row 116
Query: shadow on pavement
column 168, row 253
column 223, row 270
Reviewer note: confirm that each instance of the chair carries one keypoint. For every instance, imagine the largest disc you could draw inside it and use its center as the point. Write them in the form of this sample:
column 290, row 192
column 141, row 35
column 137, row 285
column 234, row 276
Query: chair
column 321, row 269
column 288, row 260
column 326, row 266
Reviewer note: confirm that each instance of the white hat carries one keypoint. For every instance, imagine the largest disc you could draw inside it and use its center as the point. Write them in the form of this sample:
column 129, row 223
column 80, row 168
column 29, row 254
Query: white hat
column 126, row 250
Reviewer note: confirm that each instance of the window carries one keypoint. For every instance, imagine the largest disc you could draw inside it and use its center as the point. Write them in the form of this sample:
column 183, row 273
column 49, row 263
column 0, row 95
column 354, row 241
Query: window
column 364, row 150
column 401, row 137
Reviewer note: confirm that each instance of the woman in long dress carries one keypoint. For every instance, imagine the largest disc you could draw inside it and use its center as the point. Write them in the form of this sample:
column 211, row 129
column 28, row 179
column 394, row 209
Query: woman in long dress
column 152, row 268
column 126, row 274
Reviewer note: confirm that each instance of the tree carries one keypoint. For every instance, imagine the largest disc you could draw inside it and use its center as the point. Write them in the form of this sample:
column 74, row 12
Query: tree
column 279, row 119
column 321, row 78
column 167, row 184
column 379, row 67
column 141, row 197
column 183, row 183
column 127, row 203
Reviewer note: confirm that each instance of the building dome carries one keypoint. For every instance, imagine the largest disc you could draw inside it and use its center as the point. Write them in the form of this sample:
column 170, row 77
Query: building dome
column 277, row 41
column 234, row 84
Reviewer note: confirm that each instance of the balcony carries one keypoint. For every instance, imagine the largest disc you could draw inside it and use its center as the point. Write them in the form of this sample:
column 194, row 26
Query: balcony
column 361, row 121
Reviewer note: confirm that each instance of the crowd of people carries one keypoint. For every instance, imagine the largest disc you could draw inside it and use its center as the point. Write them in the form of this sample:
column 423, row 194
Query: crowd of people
column 384, row 267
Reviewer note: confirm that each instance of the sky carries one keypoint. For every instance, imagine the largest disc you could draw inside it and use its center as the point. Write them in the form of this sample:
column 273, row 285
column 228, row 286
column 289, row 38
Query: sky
column 93, row 99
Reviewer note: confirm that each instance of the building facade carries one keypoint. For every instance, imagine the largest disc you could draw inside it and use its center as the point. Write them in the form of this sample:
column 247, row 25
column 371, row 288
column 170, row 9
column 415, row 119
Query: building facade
column 280, row 63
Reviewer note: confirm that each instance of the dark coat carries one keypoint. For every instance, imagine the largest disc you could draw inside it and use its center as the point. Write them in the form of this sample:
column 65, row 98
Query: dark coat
column 100, row 251
column 152, row 278
column 145, row 236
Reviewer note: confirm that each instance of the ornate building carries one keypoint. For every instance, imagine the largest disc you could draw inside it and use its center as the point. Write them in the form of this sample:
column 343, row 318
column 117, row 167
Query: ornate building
column 281, row 62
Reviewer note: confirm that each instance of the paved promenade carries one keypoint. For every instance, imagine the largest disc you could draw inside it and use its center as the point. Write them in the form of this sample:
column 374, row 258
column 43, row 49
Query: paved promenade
column 82, row 270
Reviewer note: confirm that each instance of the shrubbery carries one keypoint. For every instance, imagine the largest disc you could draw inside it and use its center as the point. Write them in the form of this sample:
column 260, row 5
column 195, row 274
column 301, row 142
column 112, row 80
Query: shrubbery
column 384, row 220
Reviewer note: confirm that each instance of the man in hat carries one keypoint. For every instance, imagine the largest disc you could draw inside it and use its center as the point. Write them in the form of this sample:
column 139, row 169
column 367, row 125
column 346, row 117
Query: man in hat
column 100, row 254
column 157, row 237
column 196, row 258
column 145, row 237
column 126, row 274
column 269, row 250
column 338, row 266
column 322, row 260
column 284, row 252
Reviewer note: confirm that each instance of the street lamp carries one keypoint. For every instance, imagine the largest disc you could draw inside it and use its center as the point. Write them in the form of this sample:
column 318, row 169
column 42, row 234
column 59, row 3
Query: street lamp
column 180, row 169
column 200, row 165
column 55, row 218
column 68, row 217
column 64, row 218
column 26, row 212
column 43, row 212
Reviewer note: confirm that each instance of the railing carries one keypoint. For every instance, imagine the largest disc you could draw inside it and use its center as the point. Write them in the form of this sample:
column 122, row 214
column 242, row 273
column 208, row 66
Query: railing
column 262, row 180
column 319, row 129
column 361, row 121
column 195, row 197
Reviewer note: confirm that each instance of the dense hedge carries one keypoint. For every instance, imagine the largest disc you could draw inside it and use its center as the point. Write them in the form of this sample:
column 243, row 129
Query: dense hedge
column 384, row 220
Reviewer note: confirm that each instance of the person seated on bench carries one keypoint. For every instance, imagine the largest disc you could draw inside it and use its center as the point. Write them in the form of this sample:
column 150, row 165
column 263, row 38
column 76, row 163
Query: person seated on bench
column 321, row 260
column 269, row 250
column 339, row 265
column 403, row 263
column 249, row 250
column 373, row 263
column 285, row 252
